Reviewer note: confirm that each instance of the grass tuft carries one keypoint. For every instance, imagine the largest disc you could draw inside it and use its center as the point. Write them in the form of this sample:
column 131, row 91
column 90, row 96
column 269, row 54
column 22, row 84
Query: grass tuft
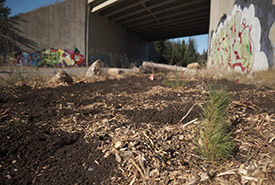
column 175, row 82
column 214, row 141
column 22, row 76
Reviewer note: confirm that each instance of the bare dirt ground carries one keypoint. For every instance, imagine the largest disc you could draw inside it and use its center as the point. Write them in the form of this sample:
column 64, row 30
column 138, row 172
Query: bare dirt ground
column 130, row 130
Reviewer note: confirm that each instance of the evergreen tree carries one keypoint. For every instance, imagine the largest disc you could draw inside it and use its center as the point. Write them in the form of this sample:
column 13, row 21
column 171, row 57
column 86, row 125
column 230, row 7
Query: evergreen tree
column 202, row 58
column 191, row 51
column 160, row 49
column 176, row 53
column 4, row 23
column 183, row 53
column 204, row 55
column 168, row 52
column 10, row 37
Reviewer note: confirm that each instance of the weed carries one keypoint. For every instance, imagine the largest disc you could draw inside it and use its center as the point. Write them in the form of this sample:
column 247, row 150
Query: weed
column 20, row 76
column 176, row 83
column 263, row 78
column 214, row 141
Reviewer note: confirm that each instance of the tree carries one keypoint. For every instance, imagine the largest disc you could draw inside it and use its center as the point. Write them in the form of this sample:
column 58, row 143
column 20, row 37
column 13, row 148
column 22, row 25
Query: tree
column 176, row 53
column 10, row 36
column 168, row 51
column 204, row 55
column 191, row 56
column 4, row 23
column 160, row 49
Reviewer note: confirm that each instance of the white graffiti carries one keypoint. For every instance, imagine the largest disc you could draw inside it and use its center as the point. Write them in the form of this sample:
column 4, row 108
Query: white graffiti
column 236, row 42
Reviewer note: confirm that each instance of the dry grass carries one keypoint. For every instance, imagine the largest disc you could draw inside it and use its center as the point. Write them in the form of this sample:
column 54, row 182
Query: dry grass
column 266, row 78
column 12, row 76
column 263, row 78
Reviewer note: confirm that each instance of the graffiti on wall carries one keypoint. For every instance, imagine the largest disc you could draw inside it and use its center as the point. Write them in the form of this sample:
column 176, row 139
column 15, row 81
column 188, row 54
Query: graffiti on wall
column 62, row 58
column 51, row 58
column 236, row 42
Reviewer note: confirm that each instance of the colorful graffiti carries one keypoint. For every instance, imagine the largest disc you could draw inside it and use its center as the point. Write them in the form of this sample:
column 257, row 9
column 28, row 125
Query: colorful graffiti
column 51, row 58
column 236, row 42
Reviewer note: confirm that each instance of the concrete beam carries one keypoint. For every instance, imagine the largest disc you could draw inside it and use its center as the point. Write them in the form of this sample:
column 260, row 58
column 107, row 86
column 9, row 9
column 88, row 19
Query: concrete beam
column 91, row 1
column 142, row 10
column 104, row 5
column 174, row 35
column 150, row 11
column 123, row 9
column 170, row 16
column 179, row 20
column 173, row 26
column 186, row 4
column 182, row 29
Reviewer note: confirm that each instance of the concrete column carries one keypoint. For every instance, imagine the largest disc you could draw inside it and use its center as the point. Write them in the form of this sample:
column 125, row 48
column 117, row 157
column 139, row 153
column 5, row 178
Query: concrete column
column 88, row 8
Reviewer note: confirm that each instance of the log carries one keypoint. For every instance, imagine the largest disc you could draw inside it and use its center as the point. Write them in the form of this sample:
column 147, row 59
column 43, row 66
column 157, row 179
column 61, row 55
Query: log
column 146, row 64
column 117, row 71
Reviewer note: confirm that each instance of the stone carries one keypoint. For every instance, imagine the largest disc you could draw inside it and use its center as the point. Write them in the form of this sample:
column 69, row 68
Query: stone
column 94, row 69
column 61, row 77
column 193, row 66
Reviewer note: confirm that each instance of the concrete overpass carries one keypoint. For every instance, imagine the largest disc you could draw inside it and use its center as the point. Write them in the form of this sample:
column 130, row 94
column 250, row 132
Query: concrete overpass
column 128, row 26
column 241, row 32
column 156, row 19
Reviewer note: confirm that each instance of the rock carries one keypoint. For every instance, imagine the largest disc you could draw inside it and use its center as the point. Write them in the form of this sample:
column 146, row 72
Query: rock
column 61, row 77
column 94, row 69
column 193, row 66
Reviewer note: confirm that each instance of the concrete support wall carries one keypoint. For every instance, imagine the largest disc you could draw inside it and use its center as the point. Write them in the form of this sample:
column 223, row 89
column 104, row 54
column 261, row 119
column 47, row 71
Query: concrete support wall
column 61, row 25
column 110, row 42
column 242, row 34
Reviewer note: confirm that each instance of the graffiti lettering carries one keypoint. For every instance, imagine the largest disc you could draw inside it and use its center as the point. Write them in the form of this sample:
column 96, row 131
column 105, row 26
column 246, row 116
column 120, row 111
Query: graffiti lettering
column 236, row 43
column 51, row 58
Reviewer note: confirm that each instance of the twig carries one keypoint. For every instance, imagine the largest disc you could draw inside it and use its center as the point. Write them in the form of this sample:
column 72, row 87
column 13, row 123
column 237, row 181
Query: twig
column 188, row 123
column 187, row 113
column 3, row 113
column 138, row 168
column 152, row 143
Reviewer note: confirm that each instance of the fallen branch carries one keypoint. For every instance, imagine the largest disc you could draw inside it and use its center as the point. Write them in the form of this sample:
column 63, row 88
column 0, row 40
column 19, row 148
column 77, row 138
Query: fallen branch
column 167, row 67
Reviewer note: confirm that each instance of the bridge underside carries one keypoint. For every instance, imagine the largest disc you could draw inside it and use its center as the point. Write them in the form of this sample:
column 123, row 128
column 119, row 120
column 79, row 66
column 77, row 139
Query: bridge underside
column 156, row 19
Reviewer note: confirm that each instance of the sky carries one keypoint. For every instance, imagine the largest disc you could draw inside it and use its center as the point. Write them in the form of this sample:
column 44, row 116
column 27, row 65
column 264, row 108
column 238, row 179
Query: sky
column 201, row 41
column 23, row 6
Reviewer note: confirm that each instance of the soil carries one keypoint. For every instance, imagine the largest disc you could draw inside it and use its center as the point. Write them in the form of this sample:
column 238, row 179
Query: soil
column 36, row 150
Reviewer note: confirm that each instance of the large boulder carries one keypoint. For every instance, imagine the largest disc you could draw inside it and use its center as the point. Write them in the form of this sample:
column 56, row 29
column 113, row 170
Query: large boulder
column 94, row 69
column 193, row 66
column 61, row 77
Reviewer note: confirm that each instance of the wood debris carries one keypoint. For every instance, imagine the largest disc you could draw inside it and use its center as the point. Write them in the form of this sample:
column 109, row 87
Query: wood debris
column 165, row 153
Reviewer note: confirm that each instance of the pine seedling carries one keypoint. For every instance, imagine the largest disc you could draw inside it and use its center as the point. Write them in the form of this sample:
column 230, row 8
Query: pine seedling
column 214, row 141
